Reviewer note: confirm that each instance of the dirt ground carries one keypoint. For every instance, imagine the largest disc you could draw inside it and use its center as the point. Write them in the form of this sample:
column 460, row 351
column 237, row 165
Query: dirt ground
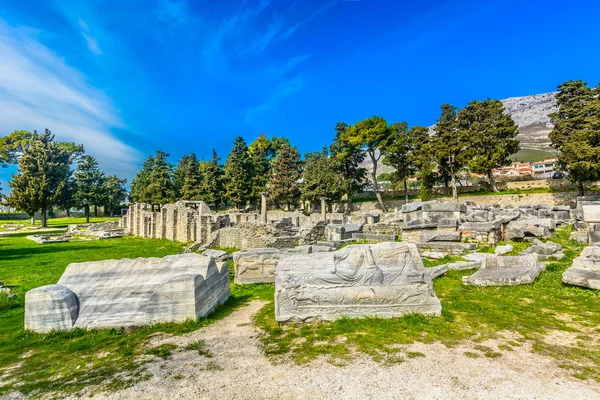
column 239, row 370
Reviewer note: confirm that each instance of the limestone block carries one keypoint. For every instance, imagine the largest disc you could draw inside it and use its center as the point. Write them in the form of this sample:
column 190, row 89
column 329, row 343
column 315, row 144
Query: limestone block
column 218, row 255
column 461, row 265
column 123, row 293
column 375, row 237
column 434, row 255
column 382, row 280
column 257, row 265
column 501, row 250
column 50, row 307
column 544, row 250
column 445, row 207
column 590, row 211
column 440, row 236
column 448, row 247
column 585, row 270
column 506, row 271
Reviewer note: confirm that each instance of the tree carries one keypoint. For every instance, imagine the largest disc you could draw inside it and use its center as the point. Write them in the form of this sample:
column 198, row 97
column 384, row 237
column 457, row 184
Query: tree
column 187, row 178
column 89, row 185
column 346, row 162
column 139, row 184
column 319, row 178
column 491, row 136
column 115, row 192
column 66, row 199
column 373, row 134
column 260, row 152
column 43, row 172
column 12, row 147
column 238, row 174
column 576, row 132
column 160, row 188
column 212, row 182
column 398, row 154
column 423, row 158
column 283, row 182
column 449, row 145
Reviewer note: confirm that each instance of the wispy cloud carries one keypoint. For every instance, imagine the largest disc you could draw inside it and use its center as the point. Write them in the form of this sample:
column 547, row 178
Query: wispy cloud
column 92, row 41
column 38, row 89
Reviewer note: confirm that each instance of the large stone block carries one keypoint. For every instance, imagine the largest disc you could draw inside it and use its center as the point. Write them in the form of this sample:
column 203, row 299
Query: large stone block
column 122, row 293
column 445, row 207
column 258, row 265
column 440, row 236
column 382, row 280
column 50, row 307
column 585, row 270
column 506, row 271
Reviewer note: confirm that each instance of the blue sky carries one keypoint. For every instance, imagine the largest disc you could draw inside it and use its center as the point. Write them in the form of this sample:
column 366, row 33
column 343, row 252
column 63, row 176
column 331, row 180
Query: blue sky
column 126, row 78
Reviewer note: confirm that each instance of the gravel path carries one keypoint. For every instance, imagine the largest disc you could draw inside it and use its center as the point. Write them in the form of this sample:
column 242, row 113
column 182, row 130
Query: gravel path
column 239, row 370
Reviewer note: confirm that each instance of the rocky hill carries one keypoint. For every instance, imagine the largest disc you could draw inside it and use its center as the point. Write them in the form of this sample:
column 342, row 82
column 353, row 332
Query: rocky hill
column 530, row 113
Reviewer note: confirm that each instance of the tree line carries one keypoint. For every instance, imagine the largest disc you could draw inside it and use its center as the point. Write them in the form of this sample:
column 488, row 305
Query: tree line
column 45, row 178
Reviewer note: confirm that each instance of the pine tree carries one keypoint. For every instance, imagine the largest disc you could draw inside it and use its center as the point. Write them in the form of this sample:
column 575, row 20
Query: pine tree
column 319, row 178
column 139, row 184
column 448, row 145
column 238, row 174
column 372, row 134
column 89, row 185
column 576, row 132
column 66, row 199
column 283, row 182
column 212, row 182
column 160, row 187
column 398, row 154
column 12, row 146
column 187, row 178
column 490, row 137
column 43, row 170
column 423, row 158
column 260, row 152
column 115, row 192
column 346, row 162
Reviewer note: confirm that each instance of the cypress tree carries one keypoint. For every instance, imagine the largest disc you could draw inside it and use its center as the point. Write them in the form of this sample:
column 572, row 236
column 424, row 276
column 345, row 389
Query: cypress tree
column 238, row 174
column 260, row 153
column 89, row 185
column 283, row 182
column 115, row 192
column 139, row 184
column 43, row 170
column 187, row 178
column 160, row 187
column 212, row 182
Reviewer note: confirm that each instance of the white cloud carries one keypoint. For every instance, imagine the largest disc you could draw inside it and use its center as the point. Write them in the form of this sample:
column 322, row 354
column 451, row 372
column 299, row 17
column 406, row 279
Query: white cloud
column 38, row 90
column 92, row 42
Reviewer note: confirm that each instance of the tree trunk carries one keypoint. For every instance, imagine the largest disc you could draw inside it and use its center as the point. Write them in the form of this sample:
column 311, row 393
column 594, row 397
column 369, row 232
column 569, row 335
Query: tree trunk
column 95, row 210
column 580, row 190
column 33, row 220
column 152, row 207
column 454, row 189
column 492, row 181
column 43, row 217
column 111, row 211
column 375, row 185
column 87, row 214
column 68, row 212
column 405, row 191
column 349, row 201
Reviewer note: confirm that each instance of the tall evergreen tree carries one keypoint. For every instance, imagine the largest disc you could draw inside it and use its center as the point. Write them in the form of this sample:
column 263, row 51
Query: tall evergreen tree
column 346, row 162
column 43, row 170
column 320, row 179
column 212, row 182
column 115, row 191
column 398, row 154
column 372, row 134
column 449, row 145
column 490, row 135
column 283, row 182
column 12, row 146
column 238, row 174
column 66, row 199
column 423, row 158
column 187, row 178
column 139, row 184
column 160, row 187
column 260, row 152
column 576, row 132
column 89, row 185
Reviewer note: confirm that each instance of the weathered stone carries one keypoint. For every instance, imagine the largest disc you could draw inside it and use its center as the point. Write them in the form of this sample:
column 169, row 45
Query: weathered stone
column 506, row 271
column 124, row 293
column 585, row 270
column 544, row 250
column 477, row 216
column 447, row 223
column 529, row 228
column 436, row 272
column 218, row 255
column 412, row 207
column 590, row 210
column 462, row 265
column 445, row 207
column 501, row 250
column 440, row 236
column 257, row 265
column 383, row 280
column 448, row 247
column 434, row 255
column 375, row 237
column 480, row 226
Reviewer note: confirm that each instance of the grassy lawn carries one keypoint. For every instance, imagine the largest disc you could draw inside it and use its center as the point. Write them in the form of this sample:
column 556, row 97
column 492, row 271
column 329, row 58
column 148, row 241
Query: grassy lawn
column 112, row 359
column 58, row 223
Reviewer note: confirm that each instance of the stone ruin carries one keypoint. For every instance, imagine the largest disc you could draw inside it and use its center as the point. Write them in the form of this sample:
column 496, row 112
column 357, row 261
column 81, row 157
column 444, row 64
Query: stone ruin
column 585, row 270
column 101, row 230
column 506, row 271
column 125, row 293
column 380, row 280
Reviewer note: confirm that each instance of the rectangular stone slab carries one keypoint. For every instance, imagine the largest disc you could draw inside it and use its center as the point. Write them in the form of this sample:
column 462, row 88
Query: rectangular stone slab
column 506, row 271
column 381, row 280
column 585, row 270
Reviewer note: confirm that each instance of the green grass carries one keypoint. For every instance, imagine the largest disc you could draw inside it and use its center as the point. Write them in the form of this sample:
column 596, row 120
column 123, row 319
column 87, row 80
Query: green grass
column 470, row 314
column 58, row 223
column 67, row 362
column 532, row 155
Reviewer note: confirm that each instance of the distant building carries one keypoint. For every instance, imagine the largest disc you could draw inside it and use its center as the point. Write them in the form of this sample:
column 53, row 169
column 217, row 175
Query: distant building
column 543, row 167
